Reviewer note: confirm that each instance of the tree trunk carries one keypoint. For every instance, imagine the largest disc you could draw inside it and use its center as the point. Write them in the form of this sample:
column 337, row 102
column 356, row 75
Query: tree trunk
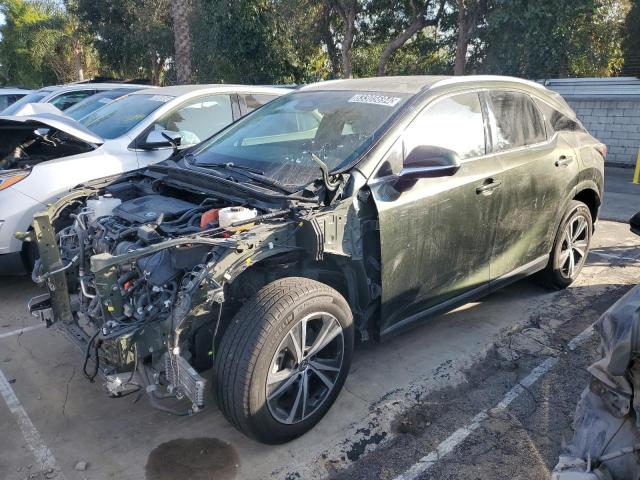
column 348, row 10
column 415, row 26
column 78, row 60
column 329, row 41
column 157, row 64
column 467, row 26
column 346, row 52
column 462, row 42
column 180, row 12
column 418, row 23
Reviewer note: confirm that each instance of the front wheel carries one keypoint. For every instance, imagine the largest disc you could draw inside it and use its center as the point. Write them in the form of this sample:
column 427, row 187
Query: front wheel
column 570, row 248
column 284, row 359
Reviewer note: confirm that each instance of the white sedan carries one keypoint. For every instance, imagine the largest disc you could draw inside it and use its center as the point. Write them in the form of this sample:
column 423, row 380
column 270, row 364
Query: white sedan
column 43, row 156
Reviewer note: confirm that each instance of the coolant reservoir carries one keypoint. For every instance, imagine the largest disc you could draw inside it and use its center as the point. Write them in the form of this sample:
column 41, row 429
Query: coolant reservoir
column 230, row 215
column 102, row 206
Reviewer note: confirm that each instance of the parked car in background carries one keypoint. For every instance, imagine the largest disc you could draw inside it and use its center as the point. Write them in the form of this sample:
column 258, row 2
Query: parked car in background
column 44, row 155
column 99, row 100
column 349, row 207
column 65, row 96
column 8, row 96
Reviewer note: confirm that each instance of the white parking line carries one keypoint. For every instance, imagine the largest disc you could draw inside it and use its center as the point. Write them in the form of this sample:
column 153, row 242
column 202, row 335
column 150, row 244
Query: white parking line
column 423, row 465
column 21, row 330
column 616, row 257
column 32, row 439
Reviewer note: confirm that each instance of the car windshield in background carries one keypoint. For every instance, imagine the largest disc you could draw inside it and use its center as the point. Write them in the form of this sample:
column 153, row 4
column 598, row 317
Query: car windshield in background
column 93, row 103
column 120, row 116
column 279, row 138
column 34, row 97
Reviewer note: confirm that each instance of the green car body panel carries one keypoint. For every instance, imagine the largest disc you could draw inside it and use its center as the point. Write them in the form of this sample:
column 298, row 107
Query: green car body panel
column 398, row 249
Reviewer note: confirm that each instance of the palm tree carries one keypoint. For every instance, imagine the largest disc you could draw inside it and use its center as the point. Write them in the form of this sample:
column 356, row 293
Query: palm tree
column 180, row 12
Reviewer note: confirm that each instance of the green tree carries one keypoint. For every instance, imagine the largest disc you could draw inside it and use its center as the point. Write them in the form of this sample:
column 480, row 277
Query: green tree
column 133, row 37
column 43, row 42
column 180, row 13
column 551, row 39
column 631, row 42
column 248, row 41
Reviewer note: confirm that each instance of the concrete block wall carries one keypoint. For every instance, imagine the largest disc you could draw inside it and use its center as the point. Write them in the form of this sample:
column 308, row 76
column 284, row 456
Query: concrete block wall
column 610, row 109
column 615, row 122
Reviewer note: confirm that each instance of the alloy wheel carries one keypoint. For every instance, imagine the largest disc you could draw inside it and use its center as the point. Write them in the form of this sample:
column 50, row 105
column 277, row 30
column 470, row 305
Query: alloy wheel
column 574, row 248
column 305, row 368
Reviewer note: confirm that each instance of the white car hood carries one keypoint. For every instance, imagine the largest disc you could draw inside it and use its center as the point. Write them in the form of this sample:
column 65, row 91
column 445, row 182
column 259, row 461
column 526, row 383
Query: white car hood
column 50, row 120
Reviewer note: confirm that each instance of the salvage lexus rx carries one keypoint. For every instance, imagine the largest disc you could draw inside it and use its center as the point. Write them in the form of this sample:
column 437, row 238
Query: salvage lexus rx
column 349, row 208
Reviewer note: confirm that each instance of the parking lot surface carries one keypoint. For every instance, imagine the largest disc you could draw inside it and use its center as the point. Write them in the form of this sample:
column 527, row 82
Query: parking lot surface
column 401, row 400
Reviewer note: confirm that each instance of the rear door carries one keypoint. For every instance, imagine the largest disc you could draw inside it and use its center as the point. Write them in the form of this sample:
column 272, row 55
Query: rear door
column 437, row 235
column 195, row 120
column 540, row 169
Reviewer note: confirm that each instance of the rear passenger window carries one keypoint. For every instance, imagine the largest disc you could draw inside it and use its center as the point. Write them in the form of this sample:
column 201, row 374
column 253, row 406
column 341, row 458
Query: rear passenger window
column 515, row 121
column 454, row 123
column 558, row 121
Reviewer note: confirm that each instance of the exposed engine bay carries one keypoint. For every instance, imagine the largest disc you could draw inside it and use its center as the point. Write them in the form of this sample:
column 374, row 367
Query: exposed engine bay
column 134, row 305
column 143, row 276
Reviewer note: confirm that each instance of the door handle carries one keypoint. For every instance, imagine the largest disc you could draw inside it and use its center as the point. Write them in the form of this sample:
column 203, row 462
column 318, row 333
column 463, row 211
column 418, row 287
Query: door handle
column 564, row 160
column 488, row 187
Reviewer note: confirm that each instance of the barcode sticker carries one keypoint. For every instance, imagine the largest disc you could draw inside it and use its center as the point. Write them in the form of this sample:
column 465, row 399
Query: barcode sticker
column 374, row 99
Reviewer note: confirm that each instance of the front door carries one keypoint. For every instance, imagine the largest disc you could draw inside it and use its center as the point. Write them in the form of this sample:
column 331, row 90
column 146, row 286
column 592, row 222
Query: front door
column 437, row 234
column 540, row 169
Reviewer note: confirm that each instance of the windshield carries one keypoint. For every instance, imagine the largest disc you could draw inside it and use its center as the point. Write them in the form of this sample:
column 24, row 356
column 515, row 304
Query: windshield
column 120, row 116
column 93, row 103
column 279, row 138
column 34, row 97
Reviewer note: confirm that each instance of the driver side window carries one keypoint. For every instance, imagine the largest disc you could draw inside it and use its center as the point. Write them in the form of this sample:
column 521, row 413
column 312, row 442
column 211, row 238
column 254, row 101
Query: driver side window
column 198, row 119
column 455, row 123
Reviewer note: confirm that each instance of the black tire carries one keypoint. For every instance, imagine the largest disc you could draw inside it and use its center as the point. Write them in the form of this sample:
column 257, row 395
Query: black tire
column 557, row 274
column 254, row 341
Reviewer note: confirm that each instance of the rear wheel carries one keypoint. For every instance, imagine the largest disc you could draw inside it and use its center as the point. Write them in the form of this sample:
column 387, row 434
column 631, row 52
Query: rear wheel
column 570, row 248
column 284, row 359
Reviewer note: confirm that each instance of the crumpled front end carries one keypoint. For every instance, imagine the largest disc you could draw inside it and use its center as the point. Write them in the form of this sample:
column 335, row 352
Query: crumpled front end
column 141, row 288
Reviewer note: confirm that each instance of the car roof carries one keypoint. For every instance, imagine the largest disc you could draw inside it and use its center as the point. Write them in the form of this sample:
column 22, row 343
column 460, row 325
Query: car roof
column 13, row 91
column 179, row 90
column 414, row 84
column 410, row 84
column 89, row 86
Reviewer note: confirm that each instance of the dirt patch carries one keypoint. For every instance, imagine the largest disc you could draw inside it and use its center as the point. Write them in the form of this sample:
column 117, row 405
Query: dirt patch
column 193, row 458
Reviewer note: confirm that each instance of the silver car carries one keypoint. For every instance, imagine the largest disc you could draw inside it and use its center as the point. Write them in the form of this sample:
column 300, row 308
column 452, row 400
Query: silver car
column 43, row 156
column 64, row 96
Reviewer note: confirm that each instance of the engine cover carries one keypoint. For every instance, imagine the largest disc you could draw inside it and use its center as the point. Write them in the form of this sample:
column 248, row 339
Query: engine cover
column 147, row 209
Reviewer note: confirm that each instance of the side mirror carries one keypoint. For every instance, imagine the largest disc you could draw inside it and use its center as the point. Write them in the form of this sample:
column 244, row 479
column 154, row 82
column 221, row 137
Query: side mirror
column 161, row 139
column 426, row 161
column 635, row 223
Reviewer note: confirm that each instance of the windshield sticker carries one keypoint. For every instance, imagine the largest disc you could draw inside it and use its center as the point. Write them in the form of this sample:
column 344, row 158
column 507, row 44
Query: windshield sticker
column 160, row 98
column 374, row 99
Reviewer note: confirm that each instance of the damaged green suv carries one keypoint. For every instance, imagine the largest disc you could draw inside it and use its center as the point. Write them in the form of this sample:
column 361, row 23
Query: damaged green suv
column 352, row 208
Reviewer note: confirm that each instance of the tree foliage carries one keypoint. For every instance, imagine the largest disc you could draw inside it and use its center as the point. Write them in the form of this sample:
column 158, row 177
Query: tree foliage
column 297, row 41
column 631, row 41
column 43, row 42
column 134, row 37
column 552, row 39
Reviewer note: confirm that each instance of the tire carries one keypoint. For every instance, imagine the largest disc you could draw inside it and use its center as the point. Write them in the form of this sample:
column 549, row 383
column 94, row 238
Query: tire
column 260, row 346
column 558, row 273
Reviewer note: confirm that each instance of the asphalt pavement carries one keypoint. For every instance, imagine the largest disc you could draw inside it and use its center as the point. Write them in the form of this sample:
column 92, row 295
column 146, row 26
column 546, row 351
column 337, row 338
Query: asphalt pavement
column 403, row 400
